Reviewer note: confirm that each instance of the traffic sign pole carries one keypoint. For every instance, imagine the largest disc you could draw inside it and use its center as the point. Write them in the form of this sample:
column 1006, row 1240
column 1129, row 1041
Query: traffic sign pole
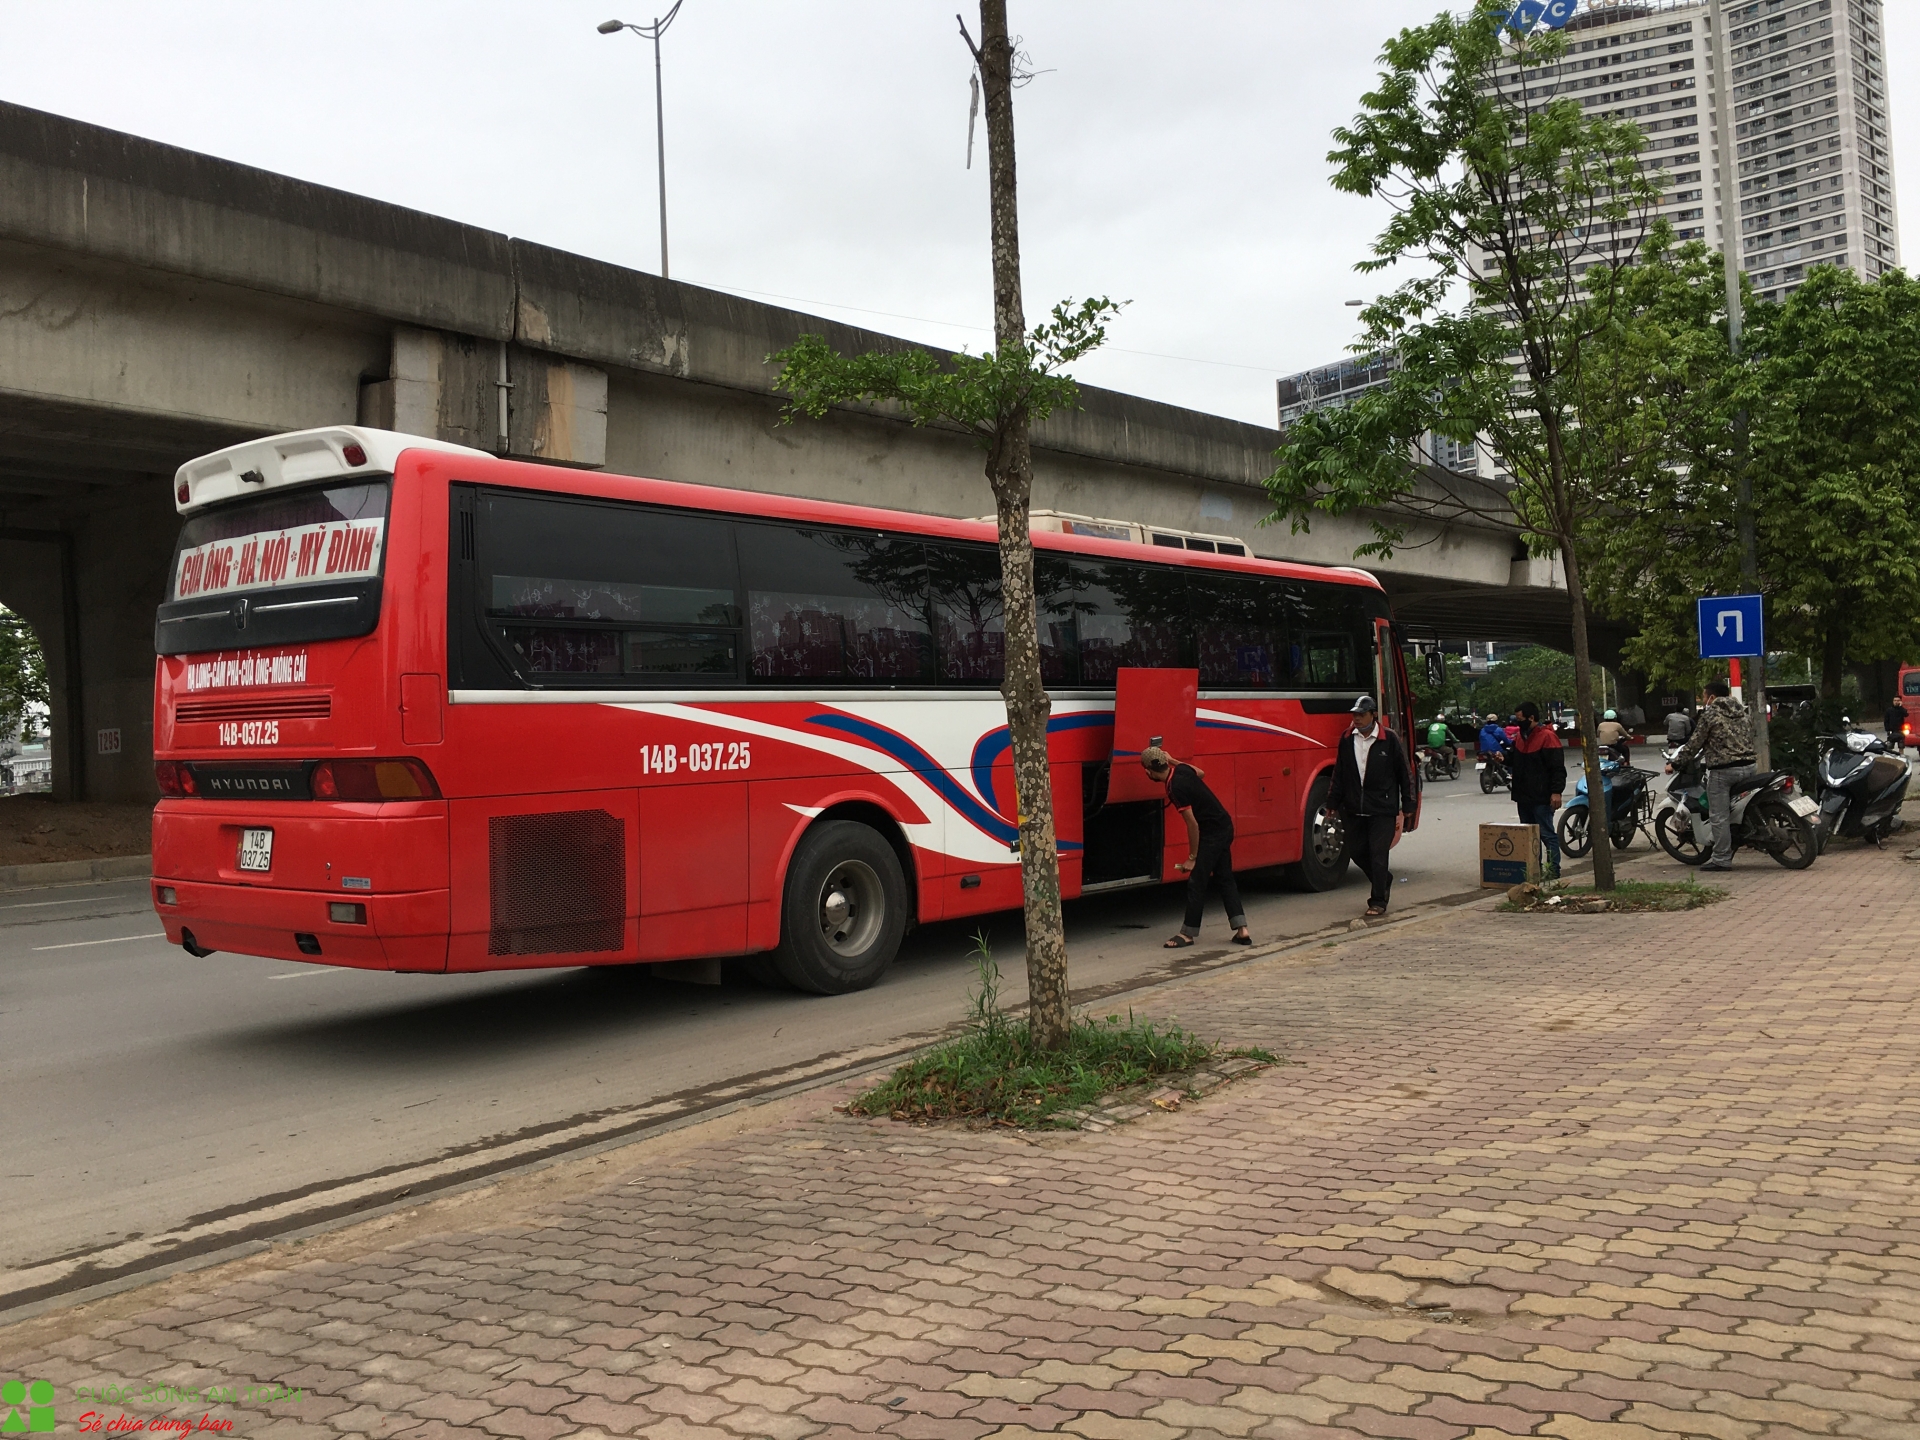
column 1733, row 628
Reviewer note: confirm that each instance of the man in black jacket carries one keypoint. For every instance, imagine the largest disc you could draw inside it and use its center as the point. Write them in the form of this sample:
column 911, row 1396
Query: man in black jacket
column 1373, row 792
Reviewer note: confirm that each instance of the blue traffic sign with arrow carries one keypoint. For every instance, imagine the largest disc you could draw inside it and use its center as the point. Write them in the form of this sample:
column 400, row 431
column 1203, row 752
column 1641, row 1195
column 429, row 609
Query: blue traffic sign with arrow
column 1731, row 627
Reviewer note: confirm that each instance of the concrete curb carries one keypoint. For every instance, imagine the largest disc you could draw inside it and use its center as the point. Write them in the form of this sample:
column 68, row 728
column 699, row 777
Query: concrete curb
column 68, row 872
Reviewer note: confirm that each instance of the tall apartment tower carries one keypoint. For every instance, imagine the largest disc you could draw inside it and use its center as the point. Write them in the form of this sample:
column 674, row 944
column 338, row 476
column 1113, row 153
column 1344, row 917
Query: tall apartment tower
column 1812, row 174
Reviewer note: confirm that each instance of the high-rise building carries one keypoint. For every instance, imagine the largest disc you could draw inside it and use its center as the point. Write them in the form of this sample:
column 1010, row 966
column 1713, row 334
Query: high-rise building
column 1812, row 179
column 1332, row 387
column 1811, row 138
column 1811, row 172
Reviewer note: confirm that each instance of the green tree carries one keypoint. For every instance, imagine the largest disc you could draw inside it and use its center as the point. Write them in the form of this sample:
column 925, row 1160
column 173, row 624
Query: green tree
column 997, row 398
column 1511, row 206
column 1671, row 534
column 1831, row 383
column 23, row 674
column 1538, row 674
column 1834, row 392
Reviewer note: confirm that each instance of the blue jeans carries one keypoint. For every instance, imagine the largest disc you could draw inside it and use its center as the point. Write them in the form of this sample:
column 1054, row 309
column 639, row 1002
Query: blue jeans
column 1541, row 813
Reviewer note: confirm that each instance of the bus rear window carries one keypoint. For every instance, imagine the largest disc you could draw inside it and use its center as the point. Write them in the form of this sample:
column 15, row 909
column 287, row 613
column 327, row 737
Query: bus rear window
column 298, row 537
column 300, row 564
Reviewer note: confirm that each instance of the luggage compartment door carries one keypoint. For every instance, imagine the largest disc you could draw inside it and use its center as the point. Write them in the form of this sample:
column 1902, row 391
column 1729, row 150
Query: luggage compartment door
column 1148, row 703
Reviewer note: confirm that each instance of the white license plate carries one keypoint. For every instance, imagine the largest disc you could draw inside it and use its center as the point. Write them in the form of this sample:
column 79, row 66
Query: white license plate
column 1803, row 806
column 1481, row 766
column 256, row 849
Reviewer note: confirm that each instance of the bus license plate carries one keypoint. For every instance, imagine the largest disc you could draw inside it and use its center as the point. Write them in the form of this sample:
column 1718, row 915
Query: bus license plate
column 1803, row 806
column 256, row 849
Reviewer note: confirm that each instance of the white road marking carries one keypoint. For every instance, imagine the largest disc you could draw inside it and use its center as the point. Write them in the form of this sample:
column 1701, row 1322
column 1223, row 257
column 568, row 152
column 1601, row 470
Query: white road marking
column 306, row 974
column 116, row 940
column 38, row 904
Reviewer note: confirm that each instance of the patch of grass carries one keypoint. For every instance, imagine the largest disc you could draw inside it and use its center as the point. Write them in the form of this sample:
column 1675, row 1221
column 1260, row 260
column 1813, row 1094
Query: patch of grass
column 1626, row 895
column 993, row 1073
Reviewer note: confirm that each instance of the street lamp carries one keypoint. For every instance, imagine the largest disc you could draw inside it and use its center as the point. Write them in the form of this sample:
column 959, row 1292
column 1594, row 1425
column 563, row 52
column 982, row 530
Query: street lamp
column 653, row 32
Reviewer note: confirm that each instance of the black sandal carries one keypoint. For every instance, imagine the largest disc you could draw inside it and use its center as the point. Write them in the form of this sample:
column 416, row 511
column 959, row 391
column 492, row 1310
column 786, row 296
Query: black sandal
column 1178, row 942
column 1243, row 939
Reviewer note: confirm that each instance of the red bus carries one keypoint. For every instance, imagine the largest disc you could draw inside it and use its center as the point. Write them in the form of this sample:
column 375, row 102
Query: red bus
column 420, row 708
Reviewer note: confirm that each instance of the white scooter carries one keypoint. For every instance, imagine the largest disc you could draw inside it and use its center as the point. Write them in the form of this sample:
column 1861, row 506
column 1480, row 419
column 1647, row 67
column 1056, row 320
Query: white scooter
column 1768, row 814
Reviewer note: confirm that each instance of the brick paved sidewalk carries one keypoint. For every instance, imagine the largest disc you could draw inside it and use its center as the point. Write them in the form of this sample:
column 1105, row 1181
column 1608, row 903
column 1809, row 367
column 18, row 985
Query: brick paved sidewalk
column 1594, row 1177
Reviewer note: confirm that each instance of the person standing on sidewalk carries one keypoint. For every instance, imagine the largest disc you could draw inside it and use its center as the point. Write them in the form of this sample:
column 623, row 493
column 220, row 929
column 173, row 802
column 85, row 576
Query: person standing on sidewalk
column 1723, row 740
column 1539, row 768
column 1373, row 790
column 1896, row 726
column 1209, row 845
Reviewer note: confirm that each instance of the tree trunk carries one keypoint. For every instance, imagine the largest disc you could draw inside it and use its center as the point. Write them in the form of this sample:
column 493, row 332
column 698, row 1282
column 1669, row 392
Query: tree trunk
column 1597, row 817
column 1010, row 472
column 1833, row 659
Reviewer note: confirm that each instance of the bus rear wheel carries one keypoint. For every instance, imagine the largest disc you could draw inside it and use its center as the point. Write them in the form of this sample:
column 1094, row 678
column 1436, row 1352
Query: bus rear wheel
column 845, row 909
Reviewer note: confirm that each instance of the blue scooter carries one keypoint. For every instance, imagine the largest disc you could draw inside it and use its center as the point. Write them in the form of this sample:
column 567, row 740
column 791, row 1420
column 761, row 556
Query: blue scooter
column 1629, row 806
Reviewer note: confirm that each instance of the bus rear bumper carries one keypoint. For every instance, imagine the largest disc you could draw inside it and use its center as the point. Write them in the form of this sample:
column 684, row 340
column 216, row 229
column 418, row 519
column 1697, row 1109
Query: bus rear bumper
column 402, row 932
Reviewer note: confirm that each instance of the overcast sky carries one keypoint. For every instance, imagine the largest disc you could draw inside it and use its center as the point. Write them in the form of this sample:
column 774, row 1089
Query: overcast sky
column 1171, row 155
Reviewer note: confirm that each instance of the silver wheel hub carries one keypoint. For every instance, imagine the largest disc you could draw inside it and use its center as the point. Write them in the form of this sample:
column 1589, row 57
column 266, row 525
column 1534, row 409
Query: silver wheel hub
column 852, row 908
column 1329, row 840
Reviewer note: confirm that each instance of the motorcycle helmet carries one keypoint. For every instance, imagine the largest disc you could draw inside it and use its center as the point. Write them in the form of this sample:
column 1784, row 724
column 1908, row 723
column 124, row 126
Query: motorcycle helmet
column 1609, row 716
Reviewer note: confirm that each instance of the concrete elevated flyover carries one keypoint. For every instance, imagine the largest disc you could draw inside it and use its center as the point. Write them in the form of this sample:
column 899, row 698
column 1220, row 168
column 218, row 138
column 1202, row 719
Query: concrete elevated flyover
column 156, row 303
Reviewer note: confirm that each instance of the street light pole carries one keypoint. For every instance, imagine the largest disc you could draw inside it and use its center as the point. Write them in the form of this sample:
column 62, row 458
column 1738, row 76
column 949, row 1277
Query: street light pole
column 1730, row 258
column 653, row 32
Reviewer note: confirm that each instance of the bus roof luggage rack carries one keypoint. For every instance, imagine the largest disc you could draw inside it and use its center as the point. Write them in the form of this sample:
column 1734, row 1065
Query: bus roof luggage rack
column 1064, row 522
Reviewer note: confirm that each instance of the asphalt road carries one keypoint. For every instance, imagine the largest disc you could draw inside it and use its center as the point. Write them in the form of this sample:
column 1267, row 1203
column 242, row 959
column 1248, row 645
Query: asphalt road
column 147, row 1090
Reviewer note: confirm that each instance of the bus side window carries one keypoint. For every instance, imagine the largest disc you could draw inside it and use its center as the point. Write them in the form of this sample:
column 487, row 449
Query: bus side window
column 835, row 605
column 1125, row 615
column 1239, row 631
column 969, row 615
column 587, row 592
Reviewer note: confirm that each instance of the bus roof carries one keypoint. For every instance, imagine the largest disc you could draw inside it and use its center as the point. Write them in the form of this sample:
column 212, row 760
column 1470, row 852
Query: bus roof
column 308, row 457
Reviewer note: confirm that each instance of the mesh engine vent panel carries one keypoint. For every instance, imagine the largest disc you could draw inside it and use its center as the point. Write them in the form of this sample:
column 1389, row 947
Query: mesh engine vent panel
column 556, row 883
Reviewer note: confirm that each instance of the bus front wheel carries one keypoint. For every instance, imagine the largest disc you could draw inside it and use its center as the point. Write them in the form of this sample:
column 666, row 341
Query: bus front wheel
column 845, row 909
column 1323, row 849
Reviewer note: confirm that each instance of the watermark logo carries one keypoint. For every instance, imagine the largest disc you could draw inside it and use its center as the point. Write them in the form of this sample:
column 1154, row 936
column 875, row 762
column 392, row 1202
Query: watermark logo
column 29, row 1407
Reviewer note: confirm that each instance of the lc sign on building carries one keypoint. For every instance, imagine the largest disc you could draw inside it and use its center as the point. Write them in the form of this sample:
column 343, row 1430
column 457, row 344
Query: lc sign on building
column 1730, row 627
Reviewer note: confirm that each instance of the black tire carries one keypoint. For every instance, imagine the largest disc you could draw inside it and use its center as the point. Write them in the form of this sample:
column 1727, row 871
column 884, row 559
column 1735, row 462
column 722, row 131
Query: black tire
column 1791, row 841
column 1575, row 838
column 844, row 911
column 1623, row 836
column 1674, row 830
column 1323, row 846
column 1486, row 780
column 1453, row 767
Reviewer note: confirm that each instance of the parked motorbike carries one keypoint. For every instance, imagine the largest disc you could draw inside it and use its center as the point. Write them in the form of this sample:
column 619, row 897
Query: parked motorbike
column 1494, row 774
column 1629, row 806
column 1438, row 763
column 1863, row 784
column 1768, row 813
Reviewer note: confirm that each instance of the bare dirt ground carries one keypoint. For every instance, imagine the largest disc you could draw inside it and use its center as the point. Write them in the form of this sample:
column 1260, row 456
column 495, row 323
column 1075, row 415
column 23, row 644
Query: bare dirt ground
column 37, row 828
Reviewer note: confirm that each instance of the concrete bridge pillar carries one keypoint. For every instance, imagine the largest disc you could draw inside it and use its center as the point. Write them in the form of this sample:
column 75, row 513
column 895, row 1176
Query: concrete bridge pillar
column 491, row 395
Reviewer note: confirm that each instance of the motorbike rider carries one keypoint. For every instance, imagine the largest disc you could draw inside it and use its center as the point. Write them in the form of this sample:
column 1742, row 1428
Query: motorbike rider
column 1493, row 737
column 1723, row 741
column 1679, row 725
column 1613, row 736
column 1539, row 770
column 1896, row 726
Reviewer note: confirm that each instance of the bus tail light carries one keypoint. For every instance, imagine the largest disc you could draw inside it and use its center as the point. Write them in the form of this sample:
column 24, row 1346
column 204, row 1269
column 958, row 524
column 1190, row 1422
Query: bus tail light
column 353, row 454
column 404, row 779
column 176, row 779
